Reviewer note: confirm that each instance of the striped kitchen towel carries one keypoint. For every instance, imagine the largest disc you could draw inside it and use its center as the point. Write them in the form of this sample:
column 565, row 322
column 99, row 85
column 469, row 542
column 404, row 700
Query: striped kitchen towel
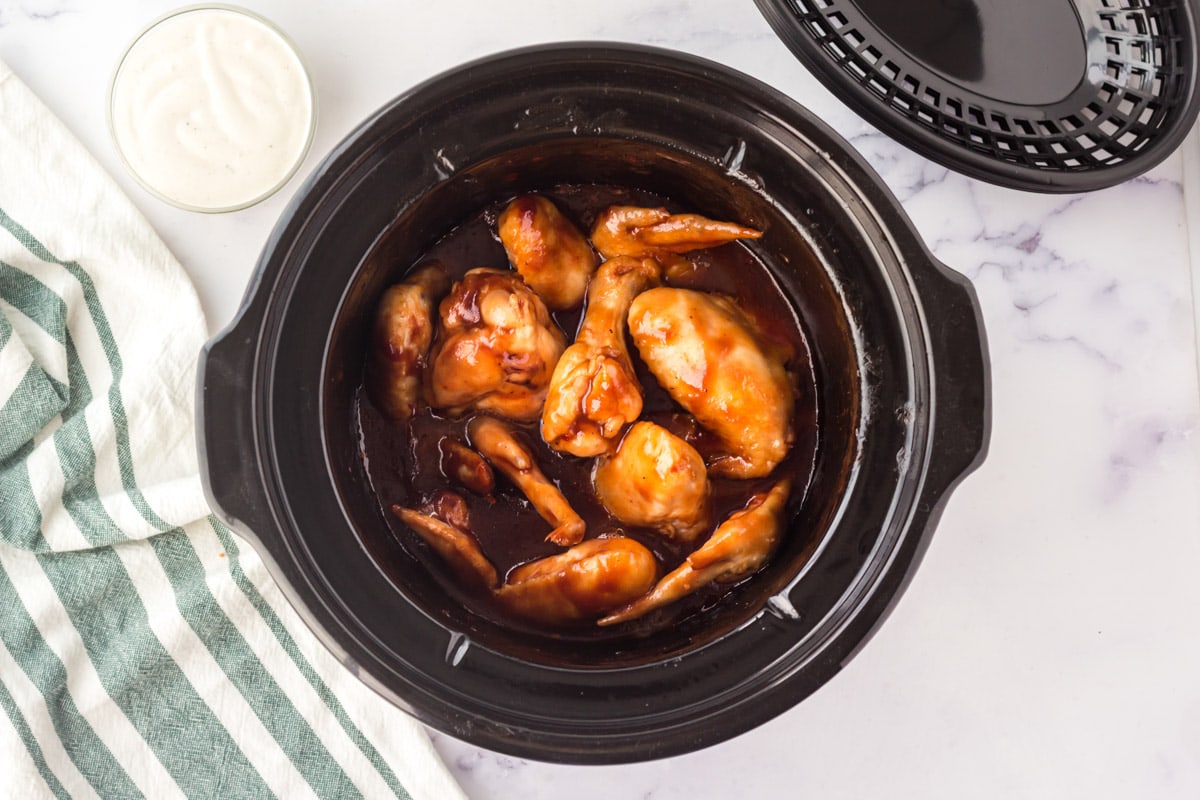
column 143, row 651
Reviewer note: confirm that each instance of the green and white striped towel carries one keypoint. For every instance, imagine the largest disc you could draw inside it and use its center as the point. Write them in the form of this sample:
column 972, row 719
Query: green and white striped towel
column 143, row 651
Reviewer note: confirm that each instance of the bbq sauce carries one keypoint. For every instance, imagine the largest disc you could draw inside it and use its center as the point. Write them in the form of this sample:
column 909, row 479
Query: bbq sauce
column 404, row 461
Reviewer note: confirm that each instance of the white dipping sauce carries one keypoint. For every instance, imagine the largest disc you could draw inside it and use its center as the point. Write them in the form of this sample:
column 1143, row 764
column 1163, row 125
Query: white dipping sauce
column 212, row 109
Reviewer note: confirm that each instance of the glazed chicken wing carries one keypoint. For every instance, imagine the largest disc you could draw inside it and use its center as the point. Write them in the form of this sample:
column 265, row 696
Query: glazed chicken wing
column 496, row 348
column 454, row 543
column 549, row 252
column 651, row 232
column 594, row 392
column 655, row 480
column 402, row 334
column 590, row 579
column 737, row 548
column 496, row 441
column 705, row 353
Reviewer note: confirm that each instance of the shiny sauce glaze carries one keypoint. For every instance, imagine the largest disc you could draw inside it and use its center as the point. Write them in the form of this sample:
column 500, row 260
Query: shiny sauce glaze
column 403, row 460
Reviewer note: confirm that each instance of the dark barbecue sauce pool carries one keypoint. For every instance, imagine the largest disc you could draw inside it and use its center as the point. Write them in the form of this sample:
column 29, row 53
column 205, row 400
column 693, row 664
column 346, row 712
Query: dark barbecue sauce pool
column 403, row 460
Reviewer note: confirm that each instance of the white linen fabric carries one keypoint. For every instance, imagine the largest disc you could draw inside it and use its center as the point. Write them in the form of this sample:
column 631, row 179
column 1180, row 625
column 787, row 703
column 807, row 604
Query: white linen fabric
column 144, row 652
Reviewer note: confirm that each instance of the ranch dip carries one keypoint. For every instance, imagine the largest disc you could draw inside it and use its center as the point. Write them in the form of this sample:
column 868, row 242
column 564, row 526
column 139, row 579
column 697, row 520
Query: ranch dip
column 212, row 109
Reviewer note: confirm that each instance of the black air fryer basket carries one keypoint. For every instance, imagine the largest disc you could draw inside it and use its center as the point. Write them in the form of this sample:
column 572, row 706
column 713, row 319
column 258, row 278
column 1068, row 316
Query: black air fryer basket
column 1041, row 95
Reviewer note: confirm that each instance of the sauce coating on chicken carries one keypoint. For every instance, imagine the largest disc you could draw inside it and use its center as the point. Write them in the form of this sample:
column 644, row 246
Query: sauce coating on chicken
column 403, row 333
column 655, row 480
column 594, row 392
column 496, row 348
column 704, row 351
column 548, row 251
column 555, row 473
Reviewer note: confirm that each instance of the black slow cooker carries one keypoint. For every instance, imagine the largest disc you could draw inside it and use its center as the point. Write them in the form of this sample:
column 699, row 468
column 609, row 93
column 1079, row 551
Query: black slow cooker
column 898, row 350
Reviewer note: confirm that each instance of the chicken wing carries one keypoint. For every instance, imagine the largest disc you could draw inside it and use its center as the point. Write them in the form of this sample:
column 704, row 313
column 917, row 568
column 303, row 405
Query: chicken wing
column 650, row 232
column 655, row 480
column 496, row 348
column 454, row 543
column 594, row 392
column 549, row 252
column 707, row 356
column 496, row 441
column 738, row 547
column 590, row 579
column 403, row 331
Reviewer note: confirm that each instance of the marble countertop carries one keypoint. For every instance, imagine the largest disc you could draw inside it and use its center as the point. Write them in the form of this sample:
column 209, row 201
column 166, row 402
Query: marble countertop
column 1049, row 645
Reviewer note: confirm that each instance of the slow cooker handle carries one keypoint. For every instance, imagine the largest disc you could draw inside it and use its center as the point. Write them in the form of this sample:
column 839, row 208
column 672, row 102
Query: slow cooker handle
column 962, row 417
column 229, row 466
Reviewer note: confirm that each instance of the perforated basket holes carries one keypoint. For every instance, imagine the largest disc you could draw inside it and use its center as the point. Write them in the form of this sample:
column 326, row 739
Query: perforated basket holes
column 1144, row 80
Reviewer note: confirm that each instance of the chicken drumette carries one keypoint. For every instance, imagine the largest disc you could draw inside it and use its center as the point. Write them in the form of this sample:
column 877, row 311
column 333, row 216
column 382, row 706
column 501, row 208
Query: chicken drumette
column 594, row 392
column 402, row 333
column 496, row 348
column 655, row 480
column 548, row 251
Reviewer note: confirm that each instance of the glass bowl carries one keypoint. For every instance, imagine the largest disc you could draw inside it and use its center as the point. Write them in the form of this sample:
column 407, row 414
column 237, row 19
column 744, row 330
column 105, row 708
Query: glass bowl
column 211, row 108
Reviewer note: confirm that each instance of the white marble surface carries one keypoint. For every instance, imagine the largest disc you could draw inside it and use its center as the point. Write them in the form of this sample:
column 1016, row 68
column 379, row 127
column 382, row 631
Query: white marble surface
column 1049, row 646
